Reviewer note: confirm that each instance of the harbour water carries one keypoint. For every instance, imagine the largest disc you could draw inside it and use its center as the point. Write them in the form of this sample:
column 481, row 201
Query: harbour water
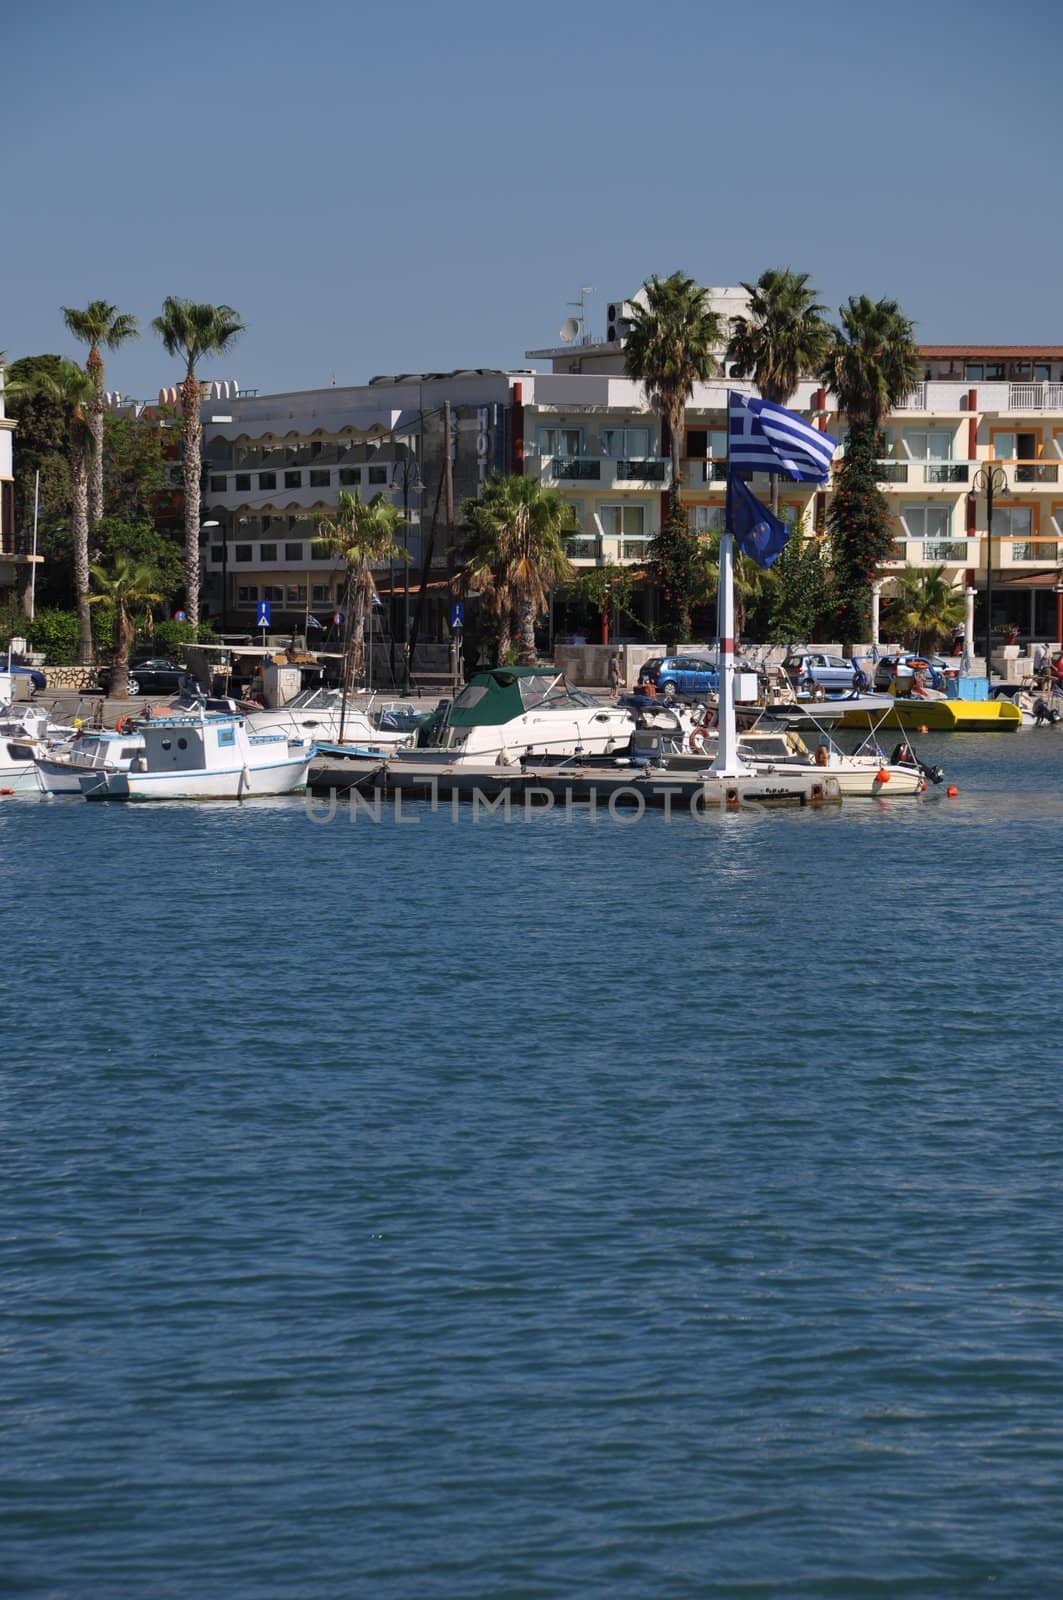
column 535, row 1210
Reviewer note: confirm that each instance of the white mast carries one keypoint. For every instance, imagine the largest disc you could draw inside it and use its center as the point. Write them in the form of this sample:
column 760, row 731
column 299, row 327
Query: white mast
column 727, row 763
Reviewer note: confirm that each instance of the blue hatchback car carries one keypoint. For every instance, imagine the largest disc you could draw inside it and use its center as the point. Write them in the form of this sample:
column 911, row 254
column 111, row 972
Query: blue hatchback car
column 674, row 676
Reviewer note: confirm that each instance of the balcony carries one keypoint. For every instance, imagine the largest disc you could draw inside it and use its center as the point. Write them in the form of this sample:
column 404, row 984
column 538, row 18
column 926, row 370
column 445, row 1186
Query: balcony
column 1035, row 396
column 893, row 472
column 1036, row 472
column 581, row 549
column 567, row 469
column 697, row 473
column 1043, row 551
column 645, row 470
column 914, row 400
column 934, row 552
column 608, row 471
column 947, row 472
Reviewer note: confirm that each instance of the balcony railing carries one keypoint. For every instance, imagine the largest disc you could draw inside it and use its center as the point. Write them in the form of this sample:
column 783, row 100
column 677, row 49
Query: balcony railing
column 914, row 400
column 699, row 472
column 947, row 472
column 568, row 468
column 1035, row 396
column 1042, row 472
column 945, row 550
column 644, row 471
column 893, row 472
column 1035, row 550
column 582, row 549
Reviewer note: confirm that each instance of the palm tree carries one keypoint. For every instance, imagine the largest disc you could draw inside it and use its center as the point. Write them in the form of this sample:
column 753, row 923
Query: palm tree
column 99, row 324
column 873, row 360
column 124, row 585
column 783, row 337
column 670, row 348
column 926, row 607
column 362, row 535
column 514, row 555
column 72, row 388
column 194, row 332
column 871, row 365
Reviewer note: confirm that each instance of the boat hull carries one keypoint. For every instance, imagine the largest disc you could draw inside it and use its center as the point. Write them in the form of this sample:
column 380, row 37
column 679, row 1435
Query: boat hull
column 941, row 716
column 241, row 783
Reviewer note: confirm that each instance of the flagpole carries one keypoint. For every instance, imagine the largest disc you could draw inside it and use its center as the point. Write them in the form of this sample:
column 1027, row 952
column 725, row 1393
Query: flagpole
column 727, row 763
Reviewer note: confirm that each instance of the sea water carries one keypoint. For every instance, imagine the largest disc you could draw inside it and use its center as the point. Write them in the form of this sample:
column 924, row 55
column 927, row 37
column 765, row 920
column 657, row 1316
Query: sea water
column 539, row 1208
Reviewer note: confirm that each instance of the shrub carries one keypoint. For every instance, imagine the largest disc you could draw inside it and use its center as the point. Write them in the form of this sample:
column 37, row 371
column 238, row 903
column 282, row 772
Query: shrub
column 55, row 632
column 169, row 637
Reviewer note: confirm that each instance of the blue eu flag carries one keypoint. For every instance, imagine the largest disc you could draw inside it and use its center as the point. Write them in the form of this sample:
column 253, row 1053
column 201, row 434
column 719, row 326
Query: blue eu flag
column 760, row 535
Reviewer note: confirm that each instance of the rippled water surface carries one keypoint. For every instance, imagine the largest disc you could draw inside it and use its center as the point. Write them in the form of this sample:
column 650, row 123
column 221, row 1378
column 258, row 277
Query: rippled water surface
column 533, row 1210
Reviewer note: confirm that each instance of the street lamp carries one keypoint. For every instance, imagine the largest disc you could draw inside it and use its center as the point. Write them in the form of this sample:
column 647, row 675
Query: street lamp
column 992, row 480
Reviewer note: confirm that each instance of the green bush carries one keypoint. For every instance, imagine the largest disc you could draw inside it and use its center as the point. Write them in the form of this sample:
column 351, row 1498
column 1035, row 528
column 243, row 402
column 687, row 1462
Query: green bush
column 56, row 633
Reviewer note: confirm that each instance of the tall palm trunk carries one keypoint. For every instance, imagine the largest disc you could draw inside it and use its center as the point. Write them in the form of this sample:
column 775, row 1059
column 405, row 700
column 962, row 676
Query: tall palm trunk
column 123, row 638
column 675, row 430
column 95, row 366
column 192, row 439
column 503, row 637
column 362, row 586
column 79, row 490
column 527, row 654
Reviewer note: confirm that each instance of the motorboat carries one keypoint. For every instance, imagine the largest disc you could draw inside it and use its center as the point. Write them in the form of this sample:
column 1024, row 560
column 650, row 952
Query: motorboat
column 509, row 714
column 59, row 769
column 25, row 732
column 863, row 775
column 204, row 755
column 318, row 714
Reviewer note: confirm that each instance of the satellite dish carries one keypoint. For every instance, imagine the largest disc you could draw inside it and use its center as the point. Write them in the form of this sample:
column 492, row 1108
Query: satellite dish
column 569, row 329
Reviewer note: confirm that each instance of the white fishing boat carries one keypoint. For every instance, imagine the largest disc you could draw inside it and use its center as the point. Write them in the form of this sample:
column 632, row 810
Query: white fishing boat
column 508, row 714
column 59, row 769
column 25, row 733
column 204, row 756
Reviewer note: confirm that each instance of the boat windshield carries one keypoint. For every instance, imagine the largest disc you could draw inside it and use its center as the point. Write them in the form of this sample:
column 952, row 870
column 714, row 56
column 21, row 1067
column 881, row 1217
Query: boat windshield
column 538, row 692
column 318, row 699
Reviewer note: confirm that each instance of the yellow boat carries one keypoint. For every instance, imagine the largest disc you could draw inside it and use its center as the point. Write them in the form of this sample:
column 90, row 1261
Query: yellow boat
column 941, row 716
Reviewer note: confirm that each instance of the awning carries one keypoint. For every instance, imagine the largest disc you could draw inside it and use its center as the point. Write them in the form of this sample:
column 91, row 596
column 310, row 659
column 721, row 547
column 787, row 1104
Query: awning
column 1030, row 580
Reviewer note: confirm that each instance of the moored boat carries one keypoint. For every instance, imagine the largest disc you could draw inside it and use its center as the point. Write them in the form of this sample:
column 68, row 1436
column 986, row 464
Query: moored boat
column 204, row 756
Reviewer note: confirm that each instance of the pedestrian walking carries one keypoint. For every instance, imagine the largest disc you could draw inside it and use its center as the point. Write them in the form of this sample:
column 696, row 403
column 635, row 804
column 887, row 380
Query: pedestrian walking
column 616, row 673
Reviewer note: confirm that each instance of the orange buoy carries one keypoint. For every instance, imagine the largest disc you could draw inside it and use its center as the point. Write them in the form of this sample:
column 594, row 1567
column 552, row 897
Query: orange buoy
column 7, row 791
column 882, row 776
column 952, row 791
column 922, row 728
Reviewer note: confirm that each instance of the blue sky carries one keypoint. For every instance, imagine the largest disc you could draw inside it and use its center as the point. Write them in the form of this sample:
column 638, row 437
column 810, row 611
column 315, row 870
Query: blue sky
column 410, row 188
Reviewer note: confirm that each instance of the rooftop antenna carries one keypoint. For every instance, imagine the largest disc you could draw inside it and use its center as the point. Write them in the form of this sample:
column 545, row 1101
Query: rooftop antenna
column 580, row 307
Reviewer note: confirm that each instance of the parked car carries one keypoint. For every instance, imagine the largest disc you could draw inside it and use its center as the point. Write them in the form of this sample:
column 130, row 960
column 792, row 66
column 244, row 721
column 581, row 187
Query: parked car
column 909, row 662
column 150, row 675
column 831, row 673
column 674, row 676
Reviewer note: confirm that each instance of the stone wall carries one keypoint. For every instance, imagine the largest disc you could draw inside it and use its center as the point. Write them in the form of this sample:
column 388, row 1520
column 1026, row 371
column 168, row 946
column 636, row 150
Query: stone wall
column 70, row 677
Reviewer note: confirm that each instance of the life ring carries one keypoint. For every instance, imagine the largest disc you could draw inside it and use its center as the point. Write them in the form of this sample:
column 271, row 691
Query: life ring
column 699, row 738
column 124, row 725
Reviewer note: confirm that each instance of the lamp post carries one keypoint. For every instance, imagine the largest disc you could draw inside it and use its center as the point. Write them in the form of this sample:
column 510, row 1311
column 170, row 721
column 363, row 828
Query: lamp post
column 991, row 480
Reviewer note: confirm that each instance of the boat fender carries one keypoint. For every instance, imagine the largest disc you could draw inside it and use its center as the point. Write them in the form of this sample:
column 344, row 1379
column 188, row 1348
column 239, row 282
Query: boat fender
column 882, row 776
column 7, row 791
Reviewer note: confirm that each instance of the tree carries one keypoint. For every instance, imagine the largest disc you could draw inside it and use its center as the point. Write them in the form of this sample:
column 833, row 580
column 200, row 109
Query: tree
column 783, row 337
column 670, row 348
column 871, row 365
column 362, row 535
column 194, row 332
column 514, row 555
column 134, row 468
column 678, row 564
column 926, row 607
column 42, row 442
column 123, row 585
column 804, row 595
column 99, row 324
column 142, row 544
column 70, row 388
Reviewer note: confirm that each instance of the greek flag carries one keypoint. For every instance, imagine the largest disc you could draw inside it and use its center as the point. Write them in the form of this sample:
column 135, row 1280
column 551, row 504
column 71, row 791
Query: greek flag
column 764, row 437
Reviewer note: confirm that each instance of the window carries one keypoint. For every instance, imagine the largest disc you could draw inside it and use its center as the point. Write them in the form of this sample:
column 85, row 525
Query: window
column 242, row 481
column 973, row 372
column 926, row 522
column 1042, row 372
column 246, row 596
column 321, row 552
column 242, row 552
column 320, row 477
column 1015, row 446
column 621, row 444
column 267, row 480
column 293, row 480
column 378, row 474
column 350, row 475
column 626, row 522
column 217, row 553
column 920, row 446
column 293, row 552
column 703, row 443
column 1012, row 522
column 226, row 736
column 560, row 441
column 994, row 372
column 272, row 591
column 321, row 593
column 706, row 520
column 267, row 552
column 296, row 594
column 218, row 484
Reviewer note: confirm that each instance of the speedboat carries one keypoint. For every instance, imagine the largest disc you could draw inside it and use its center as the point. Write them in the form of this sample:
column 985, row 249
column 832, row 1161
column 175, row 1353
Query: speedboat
column 509, row 714
column 319, row 714
column 204, row 756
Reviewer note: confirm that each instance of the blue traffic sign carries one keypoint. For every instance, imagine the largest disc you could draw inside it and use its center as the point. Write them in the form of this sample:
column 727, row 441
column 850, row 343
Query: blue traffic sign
column 265, row 612
column 457, row 614
column 180, row 616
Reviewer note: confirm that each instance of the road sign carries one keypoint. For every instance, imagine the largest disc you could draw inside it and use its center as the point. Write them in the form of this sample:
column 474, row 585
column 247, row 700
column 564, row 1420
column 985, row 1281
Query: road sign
column 180, row 616
column 457, row 614
column 265, row 612
column 337, row 619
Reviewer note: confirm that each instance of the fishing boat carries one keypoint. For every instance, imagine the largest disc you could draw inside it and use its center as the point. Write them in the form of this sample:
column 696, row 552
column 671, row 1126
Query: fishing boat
column 25, row 733
column 59, row 769
column 204, row 756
